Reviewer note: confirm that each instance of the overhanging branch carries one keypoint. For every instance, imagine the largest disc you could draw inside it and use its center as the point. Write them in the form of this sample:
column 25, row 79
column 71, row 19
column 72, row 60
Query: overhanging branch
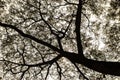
column 30, row 37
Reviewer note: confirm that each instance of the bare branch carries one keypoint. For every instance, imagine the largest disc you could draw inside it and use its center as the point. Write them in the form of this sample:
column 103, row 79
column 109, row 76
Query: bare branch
column 80, row 71
column 48, row 70
column 77, row 29
column 70, row 2
column 59, row 70
column 23, row 73
column 30, row 37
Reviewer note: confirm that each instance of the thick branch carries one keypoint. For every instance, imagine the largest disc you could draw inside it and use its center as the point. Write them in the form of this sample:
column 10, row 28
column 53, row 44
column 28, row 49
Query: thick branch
column 112, row 68
column 78, row 24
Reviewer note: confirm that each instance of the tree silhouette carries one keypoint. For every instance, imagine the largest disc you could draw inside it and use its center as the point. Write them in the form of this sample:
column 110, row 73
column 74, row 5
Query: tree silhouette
column 39, row 43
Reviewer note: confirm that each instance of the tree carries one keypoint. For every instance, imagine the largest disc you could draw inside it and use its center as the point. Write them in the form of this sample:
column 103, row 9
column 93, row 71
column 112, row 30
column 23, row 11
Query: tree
column 39, row 37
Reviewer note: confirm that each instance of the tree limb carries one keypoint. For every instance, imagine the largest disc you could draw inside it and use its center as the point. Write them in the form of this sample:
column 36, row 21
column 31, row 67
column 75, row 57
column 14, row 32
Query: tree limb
column 77, row 28
column 30, row 37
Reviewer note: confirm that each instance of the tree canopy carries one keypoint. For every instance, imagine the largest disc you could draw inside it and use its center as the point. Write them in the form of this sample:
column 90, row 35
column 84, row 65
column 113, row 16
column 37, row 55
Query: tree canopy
column 60, row 39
